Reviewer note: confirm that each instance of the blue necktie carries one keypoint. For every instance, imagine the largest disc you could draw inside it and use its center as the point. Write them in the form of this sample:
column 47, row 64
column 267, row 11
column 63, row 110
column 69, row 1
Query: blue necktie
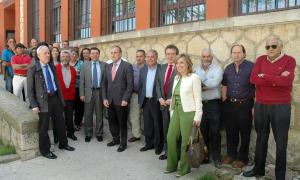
column 49, row 80
column 95, row 76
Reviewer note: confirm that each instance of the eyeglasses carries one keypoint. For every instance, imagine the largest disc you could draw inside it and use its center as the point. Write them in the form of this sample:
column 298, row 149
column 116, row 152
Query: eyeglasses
column 271, row 46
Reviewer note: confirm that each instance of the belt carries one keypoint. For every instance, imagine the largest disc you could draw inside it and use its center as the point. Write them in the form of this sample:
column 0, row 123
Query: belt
column 52, row 93
column 235, row 100
column 208, row 101
column 149, row 98
column 23, row 75
column 96, row 88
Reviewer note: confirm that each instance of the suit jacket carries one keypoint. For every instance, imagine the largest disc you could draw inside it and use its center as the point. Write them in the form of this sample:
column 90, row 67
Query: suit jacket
column 68, row 93
column 121, row 88
column 37, row 88
column 86, row 84
column 160, row 82
column 143, row 83
column 190, row 95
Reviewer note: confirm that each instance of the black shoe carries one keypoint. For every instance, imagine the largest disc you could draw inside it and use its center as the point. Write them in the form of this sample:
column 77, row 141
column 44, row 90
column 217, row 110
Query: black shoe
column 99, row 138
column 88, row 138
column 158, row 151
column 253, row 173
column 72, row 136
column 217, row 163
column 121, row 148
column 145, row 148
column 163, row 157
column 55, row 140
column 77, row 128
column 68, row 148
column 50, row 155
column 113, row 143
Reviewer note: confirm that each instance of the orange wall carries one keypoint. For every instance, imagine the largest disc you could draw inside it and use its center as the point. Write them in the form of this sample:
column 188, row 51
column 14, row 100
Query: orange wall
column 42, row 20
column 2, row 31
column 95, row 18
column 143, row 15
column 17, row 21
column 26, row 23
column 216, row 9
column 64, row 20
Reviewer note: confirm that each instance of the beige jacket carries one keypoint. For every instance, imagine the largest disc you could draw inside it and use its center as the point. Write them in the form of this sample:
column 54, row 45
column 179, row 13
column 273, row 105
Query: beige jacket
column 190, row 94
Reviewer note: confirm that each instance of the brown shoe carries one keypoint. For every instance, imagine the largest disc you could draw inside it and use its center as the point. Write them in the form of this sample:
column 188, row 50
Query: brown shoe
column 238, row 164
column 227, row 160
column 133, row 139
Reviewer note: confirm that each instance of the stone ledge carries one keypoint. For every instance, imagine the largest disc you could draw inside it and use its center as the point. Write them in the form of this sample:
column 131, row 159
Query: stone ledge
column 209, row 25
column 9, row 158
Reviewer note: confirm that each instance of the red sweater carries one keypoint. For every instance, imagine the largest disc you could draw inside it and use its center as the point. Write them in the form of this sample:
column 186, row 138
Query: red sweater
column 273, row 88
column 68, row 93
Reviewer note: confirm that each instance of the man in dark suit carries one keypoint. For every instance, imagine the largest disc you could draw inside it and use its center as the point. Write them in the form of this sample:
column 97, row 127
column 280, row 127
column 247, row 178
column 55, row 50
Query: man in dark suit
column 153, row 129
column 164, row 85
column 45, row 98
column 118, row 86
column 91, row 84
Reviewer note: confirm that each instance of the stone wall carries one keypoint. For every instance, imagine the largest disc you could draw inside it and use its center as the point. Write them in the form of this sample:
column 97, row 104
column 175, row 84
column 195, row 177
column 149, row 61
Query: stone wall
column 18, row 125
column 219, row 35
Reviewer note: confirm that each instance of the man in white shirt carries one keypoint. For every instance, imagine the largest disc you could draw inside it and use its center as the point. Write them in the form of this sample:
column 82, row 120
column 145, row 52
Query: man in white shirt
column 211, row 76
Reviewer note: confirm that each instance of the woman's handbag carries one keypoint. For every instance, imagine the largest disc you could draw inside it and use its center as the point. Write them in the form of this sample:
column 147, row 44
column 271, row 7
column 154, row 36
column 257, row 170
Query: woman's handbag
column 195, row 151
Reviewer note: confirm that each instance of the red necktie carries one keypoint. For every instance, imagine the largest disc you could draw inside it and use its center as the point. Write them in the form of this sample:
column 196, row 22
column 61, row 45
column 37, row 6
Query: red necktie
column 113, row 71
column 166, row 84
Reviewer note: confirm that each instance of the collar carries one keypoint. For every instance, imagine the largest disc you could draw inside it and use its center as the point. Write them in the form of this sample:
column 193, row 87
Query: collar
column 152, row 68
column 279, row 57
column 42, row 64
column 92, row 61
column 118, row 62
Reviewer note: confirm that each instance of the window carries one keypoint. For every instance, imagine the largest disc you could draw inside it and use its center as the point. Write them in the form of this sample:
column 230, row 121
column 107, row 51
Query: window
column 259, row 6
column 181, row 11
column 120, row 15
column 55, row 21
column 82, row 19
column 34, row 23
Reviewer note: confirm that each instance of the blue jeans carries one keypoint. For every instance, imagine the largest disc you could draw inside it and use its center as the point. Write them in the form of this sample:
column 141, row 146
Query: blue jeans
column 8, row 84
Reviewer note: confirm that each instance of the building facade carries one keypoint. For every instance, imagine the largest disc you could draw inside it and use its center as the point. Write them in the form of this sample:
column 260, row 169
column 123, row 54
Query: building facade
column 143, row 24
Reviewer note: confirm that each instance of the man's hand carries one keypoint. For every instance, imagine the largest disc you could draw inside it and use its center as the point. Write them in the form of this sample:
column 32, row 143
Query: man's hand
column 124, row 103
column 168, row 101
column 106, row 103
column 224, row 98
column 36, row 110
column 285, row 73
column 162, row 102
column 261, row 75
column 196, row 123
column 82, row 98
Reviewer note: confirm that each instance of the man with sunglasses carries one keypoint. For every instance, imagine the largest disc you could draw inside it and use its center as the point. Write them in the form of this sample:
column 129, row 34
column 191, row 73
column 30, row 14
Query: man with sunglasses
column 273, row 76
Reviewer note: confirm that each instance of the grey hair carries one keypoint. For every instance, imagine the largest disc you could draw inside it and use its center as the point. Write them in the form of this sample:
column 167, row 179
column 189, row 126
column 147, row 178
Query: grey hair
column 66, row 51
column 207, row 50
column 40, row 48
column 153, row 51
column 279, row 41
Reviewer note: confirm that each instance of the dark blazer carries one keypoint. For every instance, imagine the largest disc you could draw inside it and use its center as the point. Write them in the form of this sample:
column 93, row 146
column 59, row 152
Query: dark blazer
column 143, row 83
column 121, row 88
column 37, row 88
column 85, row 88
column 160, row 82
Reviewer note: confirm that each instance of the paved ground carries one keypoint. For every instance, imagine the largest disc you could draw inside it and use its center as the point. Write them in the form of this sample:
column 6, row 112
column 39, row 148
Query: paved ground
column 93, row 160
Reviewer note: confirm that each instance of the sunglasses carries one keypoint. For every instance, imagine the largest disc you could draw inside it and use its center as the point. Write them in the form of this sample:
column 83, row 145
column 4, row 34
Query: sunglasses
column 271, row 46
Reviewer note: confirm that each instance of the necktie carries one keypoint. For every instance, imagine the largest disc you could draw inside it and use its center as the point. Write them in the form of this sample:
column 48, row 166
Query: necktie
column 49, row 80
column 166, row 84
column 113, row 71
column 95, row 76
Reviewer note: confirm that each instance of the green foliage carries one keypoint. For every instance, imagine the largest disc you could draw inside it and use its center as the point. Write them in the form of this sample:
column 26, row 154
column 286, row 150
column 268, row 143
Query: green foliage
column 6, row 149
column 208, row 176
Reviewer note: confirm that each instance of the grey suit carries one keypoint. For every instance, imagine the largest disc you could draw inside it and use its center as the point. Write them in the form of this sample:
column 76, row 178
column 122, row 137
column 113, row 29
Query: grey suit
column 93, row 98
column 116, row 91
column 160, row 94
column 50, row 105
column 153, row 126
